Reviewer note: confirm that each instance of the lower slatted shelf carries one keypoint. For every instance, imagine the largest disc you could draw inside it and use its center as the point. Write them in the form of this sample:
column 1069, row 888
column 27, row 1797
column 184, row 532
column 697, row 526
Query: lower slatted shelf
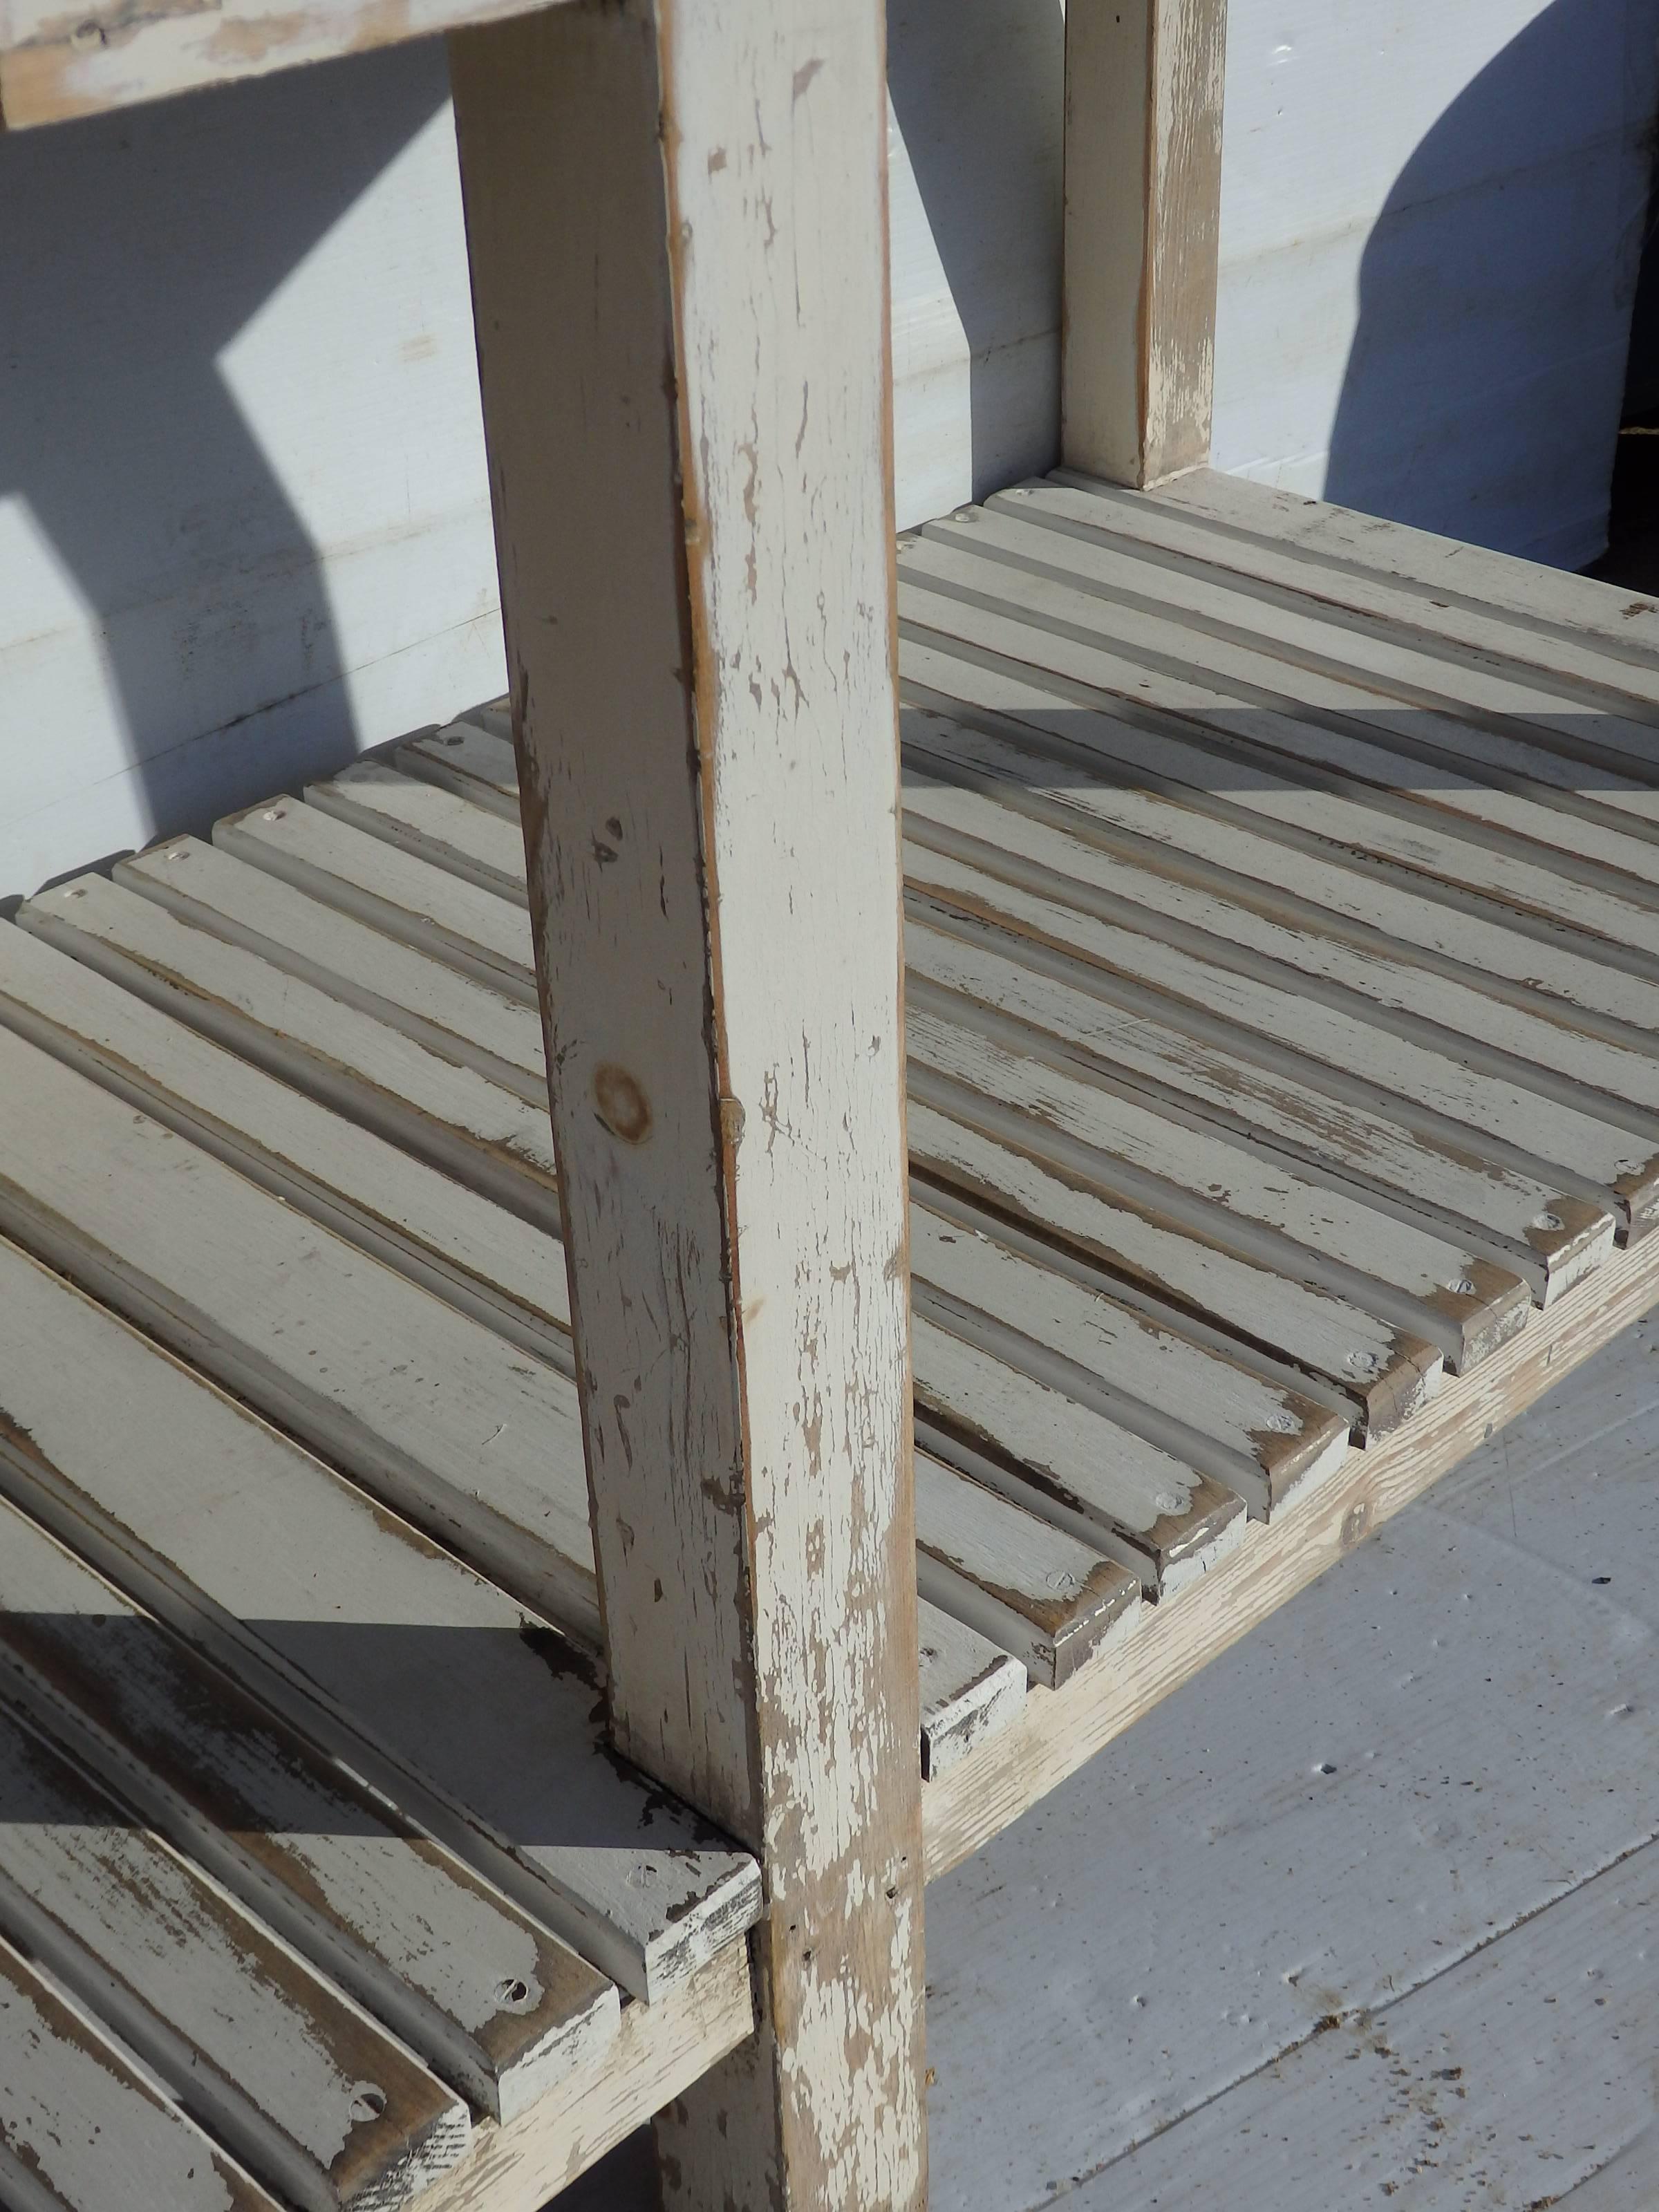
column 1282, row 929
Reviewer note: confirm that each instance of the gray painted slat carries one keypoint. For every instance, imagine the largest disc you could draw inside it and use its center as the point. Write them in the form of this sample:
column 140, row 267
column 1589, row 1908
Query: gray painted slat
column 1564, row 1147
column 432, row 1684
column 295, row 2081
column 81, row 2131
column 1046, row 1598
column 994, row 1076
column 364, row 877
column 1247, row 1433
column 468, row 758
column 1205, row 745
column 971, row 1689
column 473, row 1023
column 433, row 1411
column 1506, row 1215
column 426, row 819
column 451, row 1116
column 496, row 2005
column 496, row 1267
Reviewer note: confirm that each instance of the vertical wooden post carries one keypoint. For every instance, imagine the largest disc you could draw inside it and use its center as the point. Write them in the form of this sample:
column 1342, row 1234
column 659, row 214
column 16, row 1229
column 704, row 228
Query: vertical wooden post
column 1143, row 199
column 677, row 225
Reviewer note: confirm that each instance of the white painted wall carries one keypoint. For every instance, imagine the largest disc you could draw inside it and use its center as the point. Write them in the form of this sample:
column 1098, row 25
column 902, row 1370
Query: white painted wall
column 243, row 526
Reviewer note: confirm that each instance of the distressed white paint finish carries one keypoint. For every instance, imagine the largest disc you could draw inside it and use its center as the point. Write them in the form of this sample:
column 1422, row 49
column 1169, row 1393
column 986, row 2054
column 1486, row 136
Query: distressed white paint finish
column 971, row 1689
column 709, row 771
column 992, row 1073
column 296, row 2082
column 451, row 1116
column 433, row 1411
column 1564, row 1147
column 454, row 1015
column 430, row 1682
column 1247, row 1433
column 1037, row 622
column 398, row 893
column 1047, row 1598
column 1506, row 1215
column 1143, row 206
column 469, row 757
column 51, row 70
column 492, row 1264
column 434, row 824
column 80, row 2129
column 984, row 820
column 496, row 2005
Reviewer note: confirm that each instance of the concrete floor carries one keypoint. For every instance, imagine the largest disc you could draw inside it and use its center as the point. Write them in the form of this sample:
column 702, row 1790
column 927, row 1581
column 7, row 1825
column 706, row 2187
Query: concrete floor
column 1367, row 1915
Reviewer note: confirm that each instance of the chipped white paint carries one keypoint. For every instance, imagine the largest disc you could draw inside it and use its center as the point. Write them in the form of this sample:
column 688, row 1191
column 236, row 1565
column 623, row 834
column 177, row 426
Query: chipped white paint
column 453, row 1014
column 428, row 1682
column 394, row 891
column 1142, row 215
column 495, row 1266
column 293, row 2080
column 709, row 776
column 430, row 1410
column 81, row 2131
column 495, row 2006
column 451, row 1116
column 969, row 1689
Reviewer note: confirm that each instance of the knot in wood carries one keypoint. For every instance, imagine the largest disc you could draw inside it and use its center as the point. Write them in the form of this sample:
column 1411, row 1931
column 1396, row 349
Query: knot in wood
column 621, row 1105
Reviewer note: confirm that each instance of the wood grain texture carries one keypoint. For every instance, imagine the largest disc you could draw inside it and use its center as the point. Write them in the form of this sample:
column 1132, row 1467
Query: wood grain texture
column 709, row 768
column 441, row 1691
column 497, row 2007
column 296, row 2082
column 80, row 2129
column 1059, row 1729
column 54, row 66
column 1143, row 208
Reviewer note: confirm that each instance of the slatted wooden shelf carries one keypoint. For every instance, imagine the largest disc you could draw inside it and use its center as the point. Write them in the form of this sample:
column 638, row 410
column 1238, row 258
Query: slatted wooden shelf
column 1282, row 949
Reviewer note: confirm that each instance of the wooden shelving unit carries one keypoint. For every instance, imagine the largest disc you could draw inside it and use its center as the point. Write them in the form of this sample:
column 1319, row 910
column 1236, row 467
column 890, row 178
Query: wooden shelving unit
column 480, row 1659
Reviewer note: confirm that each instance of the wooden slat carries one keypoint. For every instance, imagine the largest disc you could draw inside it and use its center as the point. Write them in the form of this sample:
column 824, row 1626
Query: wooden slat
column 500, row 2009
column 1506, row 1215
column 971, row 1689
column 1086, row 1473
column 469, row 757
column 433, row 1411
column 322, row 2105
column 1567, row 1147
column 456, row 1016
column 1248, row 1434
column 434, row 824
column 452, row 1117
column 986, row 804
column 1388, row 711
column 1539, row 611
column 1114, row 779
column 1058, row 1730
column 493, row 1265
column 427, row 1682
column 988, row 1073
column 51, row 69
column 1046, row 1598
column 394, row 891
column 80, row 2129
column 1042, row 627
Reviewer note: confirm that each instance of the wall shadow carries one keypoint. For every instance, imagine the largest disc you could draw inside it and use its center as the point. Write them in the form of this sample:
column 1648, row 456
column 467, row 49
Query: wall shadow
column 134, row 246
column 1481, row 395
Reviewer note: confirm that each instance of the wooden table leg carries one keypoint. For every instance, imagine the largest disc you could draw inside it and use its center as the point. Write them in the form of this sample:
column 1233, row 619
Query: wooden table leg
column 677, row 220
column 1143, row 203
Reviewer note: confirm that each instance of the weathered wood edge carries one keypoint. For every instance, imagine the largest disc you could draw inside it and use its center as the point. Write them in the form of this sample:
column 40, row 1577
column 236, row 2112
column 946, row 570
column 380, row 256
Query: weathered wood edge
column 658, row 2052
column 1059, row 1729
